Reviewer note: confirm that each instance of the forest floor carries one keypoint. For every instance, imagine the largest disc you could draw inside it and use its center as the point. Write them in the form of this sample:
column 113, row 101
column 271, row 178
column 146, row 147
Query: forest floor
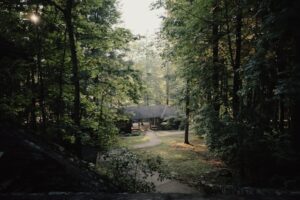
column 185, row 162
column 151, row 140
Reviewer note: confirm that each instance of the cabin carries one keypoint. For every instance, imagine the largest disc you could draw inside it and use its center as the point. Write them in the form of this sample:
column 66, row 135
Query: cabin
column 153, row 116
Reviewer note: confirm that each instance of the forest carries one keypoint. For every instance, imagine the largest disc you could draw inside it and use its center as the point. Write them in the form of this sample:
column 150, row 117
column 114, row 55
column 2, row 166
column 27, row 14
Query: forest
column 231, row 66
column 240, row 62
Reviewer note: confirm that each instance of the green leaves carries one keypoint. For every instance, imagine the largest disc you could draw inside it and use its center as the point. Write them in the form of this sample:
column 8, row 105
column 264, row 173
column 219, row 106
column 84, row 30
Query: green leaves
column 239, row 53
column 130, row 173
column 42, row 90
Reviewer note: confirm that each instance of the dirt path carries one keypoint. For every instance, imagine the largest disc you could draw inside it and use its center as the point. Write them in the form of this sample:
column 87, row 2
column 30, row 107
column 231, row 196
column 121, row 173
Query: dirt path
column 153, row 141
column 168, row 185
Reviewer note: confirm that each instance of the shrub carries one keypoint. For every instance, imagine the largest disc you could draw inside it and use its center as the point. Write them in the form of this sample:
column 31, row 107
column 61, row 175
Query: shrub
column 129, row 172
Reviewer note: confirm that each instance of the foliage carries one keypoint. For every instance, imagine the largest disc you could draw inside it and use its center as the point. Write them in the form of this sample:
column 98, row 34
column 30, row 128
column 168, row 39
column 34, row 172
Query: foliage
column 69, row 94
column 186, row 163
column 66, row 75
column 240, row 58
column 172, row 124
column 160, row 83
column 130, row 173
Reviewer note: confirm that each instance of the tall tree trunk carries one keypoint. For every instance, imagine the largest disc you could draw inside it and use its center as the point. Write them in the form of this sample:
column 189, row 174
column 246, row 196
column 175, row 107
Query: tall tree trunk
column 230, row 50
column 74, row 60
column 215, row 48
column 295, row 101
column 236, row 66
column 228, row 32
column 295, row 125
column 281, row 63
column 40, row 78
column 60, row 110
column 167, row 85
column 75, row 69
column 187, row 113
column 237, row 86
column 33, row 99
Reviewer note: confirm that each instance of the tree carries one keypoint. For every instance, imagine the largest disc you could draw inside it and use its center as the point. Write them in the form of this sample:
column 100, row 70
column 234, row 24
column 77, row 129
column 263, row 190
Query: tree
column 67, row 13
column 187, row 113
column 237, row 63
column 242, row 69
column 70, row 88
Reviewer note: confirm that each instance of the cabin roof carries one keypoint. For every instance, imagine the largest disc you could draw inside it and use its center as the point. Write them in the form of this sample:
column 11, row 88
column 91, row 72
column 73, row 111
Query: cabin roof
column 148, row 112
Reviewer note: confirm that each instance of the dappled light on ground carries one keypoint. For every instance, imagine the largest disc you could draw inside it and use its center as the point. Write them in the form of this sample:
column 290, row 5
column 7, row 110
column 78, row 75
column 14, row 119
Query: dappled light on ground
column 187, row 147
column 187, row 163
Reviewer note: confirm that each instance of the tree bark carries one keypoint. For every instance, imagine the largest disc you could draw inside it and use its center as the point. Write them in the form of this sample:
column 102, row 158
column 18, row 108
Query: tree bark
column 75, row 69
column 295, row 102
column 74, row 60
column 33, row 100
column 187, row 113
column 230, row 49
column 60, row 110
column 40, row 79
column 215, row 48
column 236, row 66
column 167, row 85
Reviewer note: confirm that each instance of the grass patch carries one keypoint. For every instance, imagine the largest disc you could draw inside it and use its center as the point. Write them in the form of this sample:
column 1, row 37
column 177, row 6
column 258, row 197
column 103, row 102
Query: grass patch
column 186, row 162
column 133, row 140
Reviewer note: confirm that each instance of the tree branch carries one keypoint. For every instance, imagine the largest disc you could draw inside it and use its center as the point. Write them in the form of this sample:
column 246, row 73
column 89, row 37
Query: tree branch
column 53, row 3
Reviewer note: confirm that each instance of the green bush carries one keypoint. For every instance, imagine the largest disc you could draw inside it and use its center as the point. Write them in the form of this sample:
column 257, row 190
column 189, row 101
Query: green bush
column 255, row 154
column 130, row 173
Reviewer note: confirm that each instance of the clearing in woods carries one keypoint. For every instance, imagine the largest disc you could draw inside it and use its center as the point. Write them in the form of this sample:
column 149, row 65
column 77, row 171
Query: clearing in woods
column 185, row 162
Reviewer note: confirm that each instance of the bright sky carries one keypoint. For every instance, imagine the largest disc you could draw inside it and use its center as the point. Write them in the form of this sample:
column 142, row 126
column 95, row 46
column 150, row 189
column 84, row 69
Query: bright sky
column 139, row 18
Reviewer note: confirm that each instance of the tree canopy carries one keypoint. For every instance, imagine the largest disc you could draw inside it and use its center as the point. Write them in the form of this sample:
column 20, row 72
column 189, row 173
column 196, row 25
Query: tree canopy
column 63, row 72
column 67, row 69
column 241, row 60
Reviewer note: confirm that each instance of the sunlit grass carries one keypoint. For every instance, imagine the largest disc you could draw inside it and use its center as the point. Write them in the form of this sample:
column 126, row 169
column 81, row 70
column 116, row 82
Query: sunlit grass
column 133, row 140
column 186, row 162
